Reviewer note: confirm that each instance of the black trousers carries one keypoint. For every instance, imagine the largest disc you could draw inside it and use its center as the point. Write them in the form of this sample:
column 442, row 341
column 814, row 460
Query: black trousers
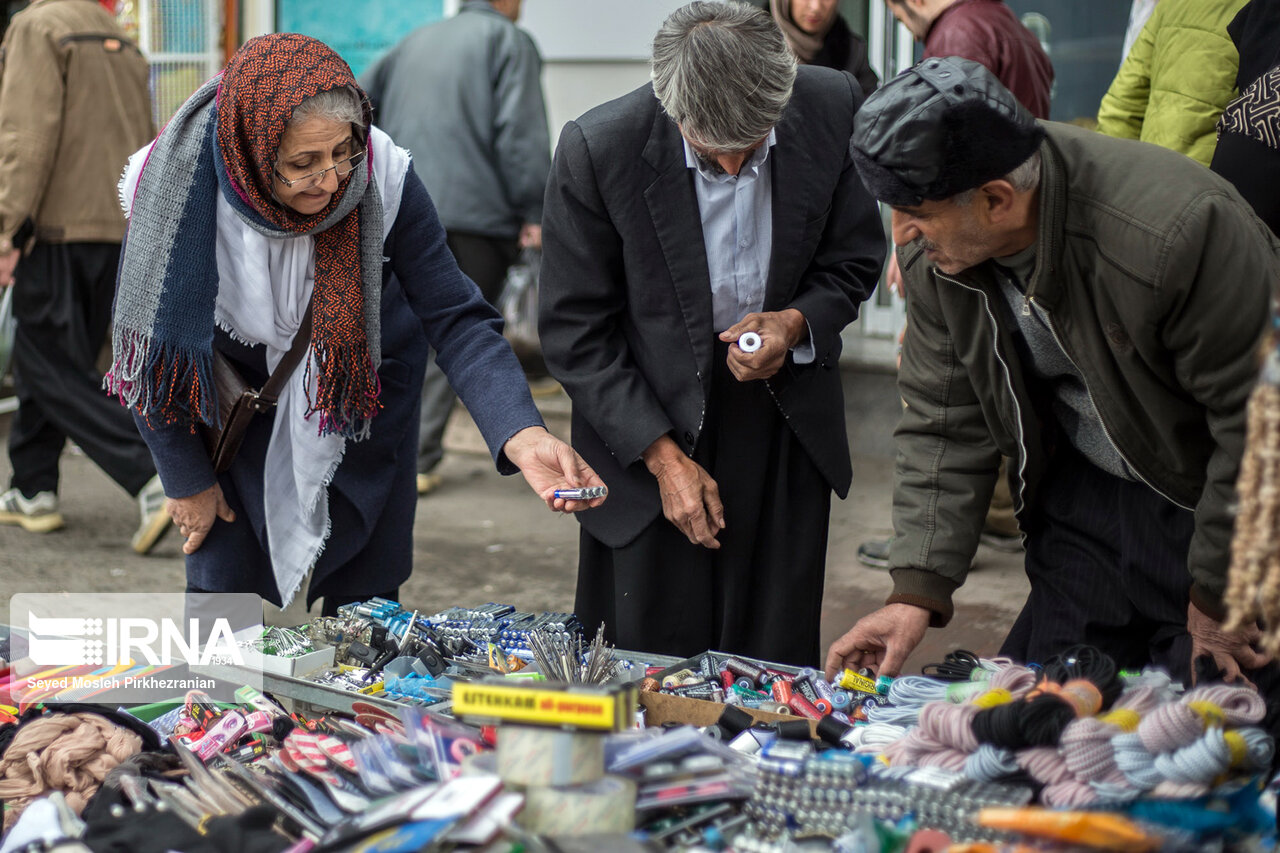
column 485, row 260
column 1107, row 559
column 760, row 594
column 62, row 303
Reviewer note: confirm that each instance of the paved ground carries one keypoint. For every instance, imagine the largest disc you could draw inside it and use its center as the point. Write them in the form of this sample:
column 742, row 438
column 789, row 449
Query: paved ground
column 483, row 537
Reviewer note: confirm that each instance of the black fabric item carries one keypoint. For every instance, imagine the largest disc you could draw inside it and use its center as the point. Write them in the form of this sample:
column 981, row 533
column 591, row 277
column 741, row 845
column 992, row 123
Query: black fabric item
column 162, row 831
column 144, row 832
column 282, row 727
column 249, row 832
column 62, row 303
column 144, row 764
column 760, row 594
column 7, row 733
column 938, row 129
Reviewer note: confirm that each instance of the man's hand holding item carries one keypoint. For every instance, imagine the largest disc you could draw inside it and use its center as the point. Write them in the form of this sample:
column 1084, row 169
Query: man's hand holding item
column 779, row 331
column 547, row 464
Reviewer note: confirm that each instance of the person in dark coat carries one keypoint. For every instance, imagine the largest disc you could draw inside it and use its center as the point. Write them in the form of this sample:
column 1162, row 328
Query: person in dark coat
column 672, row 228
column 266, row 195
column 1248, row 151
column 818, row 35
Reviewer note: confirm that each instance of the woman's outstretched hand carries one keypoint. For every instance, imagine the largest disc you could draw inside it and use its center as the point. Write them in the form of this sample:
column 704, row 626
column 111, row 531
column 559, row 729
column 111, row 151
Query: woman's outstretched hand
column 547, row 464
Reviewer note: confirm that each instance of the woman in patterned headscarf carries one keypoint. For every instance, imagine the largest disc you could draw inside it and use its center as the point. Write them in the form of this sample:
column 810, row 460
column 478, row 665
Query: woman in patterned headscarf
column 267, row 193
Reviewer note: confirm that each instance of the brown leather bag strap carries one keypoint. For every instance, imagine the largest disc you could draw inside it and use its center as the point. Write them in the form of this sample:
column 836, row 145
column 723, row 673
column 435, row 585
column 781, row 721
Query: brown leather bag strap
column 275, row 382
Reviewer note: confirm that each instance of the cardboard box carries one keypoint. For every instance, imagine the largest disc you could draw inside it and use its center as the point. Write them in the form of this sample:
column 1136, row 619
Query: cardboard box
column 695, row 663
column 662, row 708
column 289, row 667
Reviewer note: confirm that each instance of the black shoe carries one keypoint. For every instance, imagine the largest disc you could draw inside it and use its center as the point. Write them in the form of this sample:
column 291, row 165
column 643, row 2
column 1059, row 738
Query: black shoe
column 875, row 553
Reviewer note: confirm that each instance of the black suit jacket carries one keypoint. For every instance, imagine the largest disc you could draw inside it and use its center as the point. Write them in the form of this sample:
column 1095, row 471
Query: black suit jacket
column 625, row 317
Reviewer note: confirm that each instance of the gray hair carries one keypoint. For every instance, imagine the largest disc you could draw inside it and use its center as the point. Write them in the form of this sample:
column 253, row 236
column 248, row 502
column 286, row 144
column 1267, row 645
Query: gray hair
column 723, row 72
column 341, row 105
column 1024, row 177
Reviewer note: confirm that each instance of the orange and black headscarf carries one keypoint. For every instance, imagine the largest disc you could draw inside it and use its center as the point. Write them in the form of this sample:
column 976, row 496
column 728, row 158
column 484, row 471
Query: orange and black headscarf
column 224, row 139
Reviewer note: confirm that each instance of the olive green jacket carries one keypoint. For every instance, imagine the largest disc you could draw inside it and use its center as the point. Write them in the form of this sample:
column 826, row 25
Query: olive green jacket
column 1177, row 78
column 73, row 106
column 1157, row 289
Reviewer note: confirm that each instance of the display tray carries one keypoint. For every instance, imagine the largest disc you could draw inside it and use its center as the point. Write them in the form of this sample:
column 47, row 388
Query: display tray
column 695, row 663
column 664, row 708
column 299, row 689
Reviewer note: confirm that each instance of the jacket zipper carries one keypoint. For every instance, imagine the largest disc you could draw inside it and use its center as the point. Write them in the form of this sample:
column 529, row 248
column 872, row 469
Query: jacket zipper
column 1008, row 376
column 1029, row 301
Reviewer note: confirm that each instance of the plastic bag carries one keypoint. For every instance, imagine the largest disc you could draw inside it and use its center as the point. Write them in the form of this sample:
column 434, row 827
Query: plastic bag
column 518, row 304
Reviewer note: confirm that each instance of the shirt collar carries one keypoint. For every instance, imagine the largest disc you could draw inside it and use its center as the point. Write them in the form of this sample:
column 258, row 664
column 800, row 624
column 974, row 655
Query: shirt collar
column 754, row 162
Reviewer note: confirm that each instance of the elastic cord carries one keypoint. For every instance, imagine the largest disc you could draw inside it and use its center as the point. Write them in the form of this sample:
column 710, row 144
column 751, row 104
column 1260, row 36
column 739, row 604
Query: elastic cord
column 956, row 666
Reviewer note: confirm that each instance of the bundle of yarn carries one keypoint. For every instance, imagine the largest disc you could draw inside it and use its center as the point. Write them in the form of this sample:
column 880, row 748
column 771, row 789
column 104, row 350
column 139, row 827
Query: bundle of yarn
column 71, row 753
column 1081, row 730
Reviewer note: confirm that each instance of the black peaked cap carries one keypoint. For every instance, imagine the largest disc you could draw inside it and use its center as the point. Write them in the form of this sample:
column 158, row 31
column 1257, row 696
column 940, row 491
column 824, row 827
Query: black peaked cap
column 940, row 128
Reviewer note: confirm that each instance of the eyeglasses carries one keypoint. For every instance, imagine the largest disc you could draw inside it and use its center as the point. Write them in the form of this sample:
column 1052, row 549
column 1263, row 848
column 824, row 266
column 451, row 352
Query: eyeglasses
column 342, row 168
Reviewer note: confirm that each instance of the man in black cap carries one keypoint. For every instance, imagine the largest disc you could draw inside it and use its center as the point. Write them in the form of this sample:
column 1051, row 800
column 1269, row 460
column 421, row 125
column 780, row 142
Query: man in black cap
column 1091, row 309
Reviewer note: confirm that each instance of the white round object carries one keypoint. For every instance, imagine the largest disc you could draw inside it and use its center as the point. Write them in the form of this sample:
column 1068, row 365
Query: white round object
column 749, row 342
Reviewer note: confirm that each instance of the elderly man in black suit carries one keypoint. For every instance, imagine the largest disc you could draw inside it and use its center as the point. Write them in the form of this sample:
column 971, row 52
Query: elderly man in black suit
column 717, row 201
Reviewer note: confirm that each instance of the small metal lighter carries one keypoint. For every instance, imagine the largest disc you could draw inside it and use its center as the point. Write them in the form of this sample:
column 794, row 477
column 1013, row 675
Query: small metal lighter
column 585, row 494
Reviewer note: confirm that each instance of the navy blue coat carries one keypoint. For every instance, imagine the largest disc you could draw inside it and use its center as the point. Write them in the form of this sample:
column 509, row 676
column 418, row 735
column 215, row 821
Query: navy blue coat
column 426, row 301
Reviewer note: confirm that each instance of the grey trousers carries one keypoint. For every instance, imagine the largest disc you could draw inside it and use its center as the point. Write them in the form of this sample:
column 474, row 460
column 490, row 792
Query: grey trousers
column 484, row 260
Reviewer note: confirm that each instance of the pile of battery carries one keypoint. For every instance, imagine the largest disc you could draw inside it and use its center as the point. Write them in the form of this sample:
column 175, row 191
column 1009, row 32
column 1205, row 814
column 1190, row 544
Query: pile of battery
column 749, row 684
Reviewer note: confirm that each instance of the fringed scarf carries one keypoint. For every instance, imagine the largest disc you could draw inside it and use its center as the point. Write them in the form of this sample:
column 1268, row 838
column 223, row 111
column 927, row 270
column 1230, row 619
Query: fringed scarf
column 224, row 138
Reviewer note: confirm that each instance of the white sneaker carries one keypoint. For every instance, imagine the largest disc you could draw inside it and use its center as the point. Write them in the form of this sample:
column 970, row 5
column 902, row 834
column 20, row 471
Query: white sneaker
column 155, row 522
column 34, row 515
column 428, row 483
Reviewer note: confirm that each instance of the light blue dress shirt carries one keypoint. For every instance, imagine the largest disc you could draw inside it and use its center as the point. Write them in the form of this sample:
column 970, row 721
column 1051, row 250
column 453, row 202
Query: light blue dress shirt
column 737, row 231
